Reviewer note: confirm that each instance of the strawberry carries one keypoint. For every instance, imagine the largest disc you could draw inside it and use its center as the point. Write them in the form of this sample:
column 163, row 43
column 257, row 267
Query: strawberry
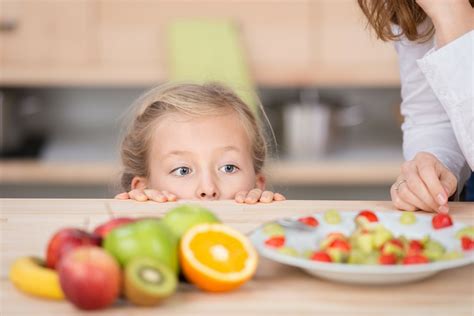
column 320, row 256
column 414, row 247
column 340, row 244
column 310, row 221
column 388, row 259
column 275, row 241
column 441, row 220
column 415, row 259
column 467, row 243
column 369, row 215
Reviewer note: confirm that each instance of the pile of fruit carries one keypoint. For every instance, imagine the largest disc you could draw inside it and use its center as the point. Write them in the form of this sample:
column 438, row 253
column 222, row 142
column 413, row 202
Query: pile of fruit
column 371, row 242
column 138, row 259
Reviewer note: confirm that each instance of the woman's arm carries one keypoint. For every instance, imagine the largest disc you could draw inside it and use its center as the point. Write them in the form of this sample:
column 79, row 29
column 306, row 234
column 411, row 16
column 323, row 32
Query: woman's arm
column 451, row 18
column 427, row 128
column 450, row 74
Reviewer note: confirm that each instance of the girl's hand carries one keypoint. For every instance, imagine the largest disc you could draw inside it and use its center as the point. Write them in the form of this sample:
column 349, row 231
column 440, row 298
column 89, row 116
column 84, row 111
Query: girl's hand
column 424, row 184
column 145, row 195
column 257, row 195
column 451, row 18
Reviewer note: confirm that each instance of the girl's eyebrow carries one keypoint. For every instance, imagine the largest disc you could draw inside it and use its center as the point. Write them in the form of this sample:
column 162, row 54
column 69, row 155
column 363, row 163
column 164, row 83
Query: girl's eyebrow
column 228, row 148
column 178, row 153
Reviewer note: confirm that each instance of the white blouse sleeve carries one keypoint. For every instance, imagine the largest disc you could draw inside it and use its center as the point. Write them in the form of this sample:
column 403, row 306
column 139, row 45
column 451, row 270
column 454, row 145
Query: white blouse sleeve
column 450, row 73
column 427, row 126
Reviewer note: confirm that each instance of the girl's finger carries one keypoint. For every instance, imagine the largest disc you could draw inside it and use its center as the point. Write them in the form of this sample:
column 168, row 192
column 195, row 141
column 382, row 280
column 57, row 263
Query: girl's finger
column 253, row 196
column 122, row 196
column 155, row 195
column 279, row 197
column 240, row 196
column 138, row 195
column 170, row 196
column 267, row 197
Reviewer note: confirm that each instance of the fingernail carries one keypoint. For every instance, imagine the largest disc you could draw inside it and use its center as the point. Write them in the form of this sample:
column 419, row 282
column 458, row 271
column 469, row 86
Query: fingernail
column 443, row 209
column 442, row 199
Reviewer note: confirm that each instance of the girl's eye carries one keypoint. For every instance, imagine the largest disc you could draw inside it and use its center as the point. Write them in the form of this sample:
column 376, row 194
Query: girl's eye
column 229, row 169
column 181, row 171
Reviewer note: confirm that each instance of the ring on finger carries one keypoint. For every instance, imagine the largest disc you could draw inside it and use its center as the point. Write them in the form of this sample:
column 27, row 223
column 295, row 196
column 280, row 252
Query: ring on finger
column 399, row 183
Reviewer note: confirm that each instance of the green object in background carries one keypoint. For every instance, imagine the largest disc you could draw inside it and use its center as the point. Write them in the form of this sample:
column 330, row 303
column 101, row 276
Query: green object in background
column 204, row 50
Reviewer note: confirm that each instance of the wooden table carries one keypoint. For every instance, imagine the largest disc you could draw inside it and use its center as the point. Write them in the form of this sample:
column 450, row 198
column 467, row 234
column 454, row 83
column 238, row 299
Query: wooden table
column 27, row 225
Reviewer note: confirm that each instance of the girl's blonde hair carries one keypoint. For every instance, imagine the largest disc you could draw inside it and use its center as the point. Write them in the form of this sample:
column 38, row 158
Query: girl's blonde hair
column 194, row 100
column 407, row 14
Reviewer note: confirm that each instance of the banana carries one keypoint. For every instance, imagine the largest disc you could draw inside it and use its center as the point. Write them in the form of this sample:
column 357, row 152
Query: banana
column 31, row 276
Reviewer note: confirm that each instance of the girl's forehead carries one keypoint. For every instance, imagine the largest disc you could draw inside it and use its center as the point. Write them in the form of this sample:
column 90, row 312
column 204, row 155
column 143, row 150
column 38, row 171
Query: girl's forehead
column 176, row 131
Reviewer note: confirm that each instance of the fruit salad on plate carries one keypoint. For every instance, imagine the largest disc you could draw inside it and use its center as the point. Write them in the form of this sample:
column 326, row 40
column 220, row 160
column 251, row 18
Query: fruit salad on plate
column 367, row 246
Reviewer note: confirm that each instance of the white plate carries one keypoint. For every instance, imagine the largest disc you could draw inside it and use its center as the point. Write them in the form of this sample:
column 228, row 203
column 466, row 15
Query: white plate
column 366, row 274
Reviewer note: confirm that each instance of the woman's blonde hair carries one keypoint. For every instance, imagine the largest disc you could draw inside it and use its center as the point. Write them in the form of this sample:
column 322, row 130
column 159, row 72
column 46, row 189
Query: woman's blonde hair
column 194, row 100
column 407, row 14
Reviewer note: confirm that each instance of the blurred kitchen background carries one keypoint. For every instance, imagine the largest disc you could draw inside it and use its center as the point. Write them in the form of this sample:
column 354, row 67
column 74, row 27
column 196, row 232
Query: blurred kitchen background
column 69, row 70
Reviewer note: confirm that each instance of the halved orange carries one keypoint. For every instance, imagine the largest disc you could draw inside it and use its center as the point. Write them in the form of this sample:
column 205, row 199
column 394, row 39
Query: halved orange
column 216, row 257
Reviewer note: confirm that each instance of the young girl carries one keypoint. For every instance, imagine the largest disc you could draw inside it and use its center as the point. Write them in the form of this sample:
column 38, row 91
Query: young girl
column 194, row 142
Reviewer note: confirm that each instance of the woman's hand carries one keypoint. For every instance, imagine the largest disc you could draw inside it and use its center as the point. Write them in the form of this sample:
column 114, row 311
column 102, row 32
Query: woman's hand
column 424, row 184
column 451, row 18
column 257, row 195
column 145, row 195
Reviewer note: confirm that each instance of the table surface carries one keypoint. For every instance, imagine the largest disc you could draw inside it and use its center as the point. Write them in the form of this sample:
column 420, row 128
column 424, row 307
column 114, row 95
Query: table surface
column 27, row 225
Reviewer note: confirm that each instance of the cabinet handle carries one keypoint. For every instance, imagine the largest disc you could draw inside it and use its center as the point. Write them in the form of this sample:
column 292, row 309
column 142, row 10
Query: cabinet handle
column 8, row 25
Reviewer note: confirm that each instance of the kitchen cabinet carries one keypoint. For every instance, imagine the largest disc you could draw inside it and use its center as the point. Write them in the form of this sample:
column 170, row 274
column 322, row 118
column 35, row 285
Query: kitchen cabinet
column 275, row 34
column 124, row 42
column 345, row 50
column 45, row 40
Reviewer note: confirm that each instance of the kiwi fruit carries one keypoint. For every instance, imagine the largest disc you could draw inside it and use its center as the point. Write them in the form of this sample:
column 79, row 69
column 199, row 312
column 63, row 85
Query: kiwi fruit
column 147, row 281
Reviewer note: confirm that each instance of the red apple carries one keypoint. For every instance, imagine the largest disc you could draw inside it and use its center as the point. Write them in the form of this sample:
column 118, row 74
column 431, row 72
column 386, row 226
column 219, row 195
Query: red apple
column 90, row 278
column 106, row 227
column 64, row 241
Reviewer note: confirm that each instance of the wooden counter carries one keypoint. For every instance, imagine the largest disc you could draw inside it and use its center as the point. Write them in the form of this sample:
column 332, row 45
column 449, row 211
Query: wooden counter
column 27, row 225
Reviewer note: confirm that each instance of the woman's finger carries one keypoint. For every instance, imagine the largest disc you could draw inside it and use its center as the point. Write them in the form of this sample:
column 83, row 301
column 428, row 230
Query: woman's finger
column 417, row 187
column 431, row 178
column 404, row 193
column 399, row 202
column 253, row 196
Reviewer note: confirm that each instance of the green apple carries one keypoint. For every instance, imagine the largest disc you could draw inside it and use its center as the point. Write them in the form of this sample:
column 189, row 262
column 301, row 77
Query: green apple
column 407, row 218
column 144, row 238
column 289, row 251
column 183, row 217
column 467, row 231
column 332, row 217
column 381, row 236
column 365, row 242
column 273, row 229
column 451, row 255
column 433, row 250
column 357, row 257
